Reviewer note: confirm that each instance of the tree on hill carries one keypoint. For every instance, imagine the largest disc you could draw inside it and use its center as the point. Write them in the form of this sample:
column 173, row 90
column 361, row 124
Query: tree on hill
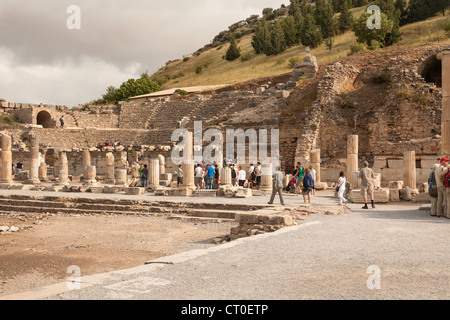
column 324, row 17
column 277, row 40
column 233, row 51
column 393, row 14
column 134, row 87
column 419, row 10
column 311, row 35
column 262, row 36
column 365, row 35
column 345, row 19
column 290, row 31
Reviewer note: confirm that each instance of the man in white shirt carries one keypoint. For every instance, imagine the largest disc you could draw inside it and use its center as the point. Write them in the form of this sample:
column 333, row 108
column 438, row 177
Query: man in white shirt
column 242, row 176
column 198, row 176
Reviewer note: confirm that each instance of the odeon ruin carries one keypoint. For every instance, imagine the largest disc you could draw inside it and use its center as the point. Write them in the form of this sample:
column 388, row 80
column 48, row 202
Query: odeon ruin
column 391, row 110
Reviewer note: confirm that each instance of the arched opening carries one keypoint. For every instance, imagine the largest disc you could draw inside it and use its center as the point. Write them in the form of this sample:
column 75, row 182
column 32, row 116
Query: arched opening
column 44, row 119
column 431, row 70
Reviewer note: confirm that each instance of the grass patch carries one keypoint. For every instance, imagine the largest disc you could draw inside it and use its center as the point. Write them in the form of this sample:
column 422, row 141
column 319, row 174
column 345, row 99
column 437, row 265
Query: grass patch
column 8, row 120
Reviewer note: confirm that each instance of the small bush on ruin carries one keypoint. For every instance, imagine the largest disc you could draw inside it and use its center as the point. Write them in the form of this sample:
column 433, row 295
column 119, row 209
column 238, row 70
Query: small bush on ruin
column 181, row 92
column 356, row 48
column 8, row 119
column 293, row 61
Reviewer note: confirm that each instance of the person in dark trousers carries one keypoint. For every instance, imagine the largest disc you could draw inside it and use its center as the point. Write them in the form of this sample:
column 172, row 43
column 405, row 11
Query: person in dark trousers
column 308, row 185
column 61, row 120
column 277, row 186
column 144, row 177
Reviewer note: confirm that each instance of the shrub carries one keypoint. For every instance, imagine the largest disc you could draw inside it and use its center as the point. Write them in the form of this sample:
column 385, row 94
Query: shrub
column 8, row 119
column 293, row 61
column 246, row 57
column 379, row 78
column 356, row 48
column 186, row 59
column 182, row 92
column 403, row 94
column 199, row 69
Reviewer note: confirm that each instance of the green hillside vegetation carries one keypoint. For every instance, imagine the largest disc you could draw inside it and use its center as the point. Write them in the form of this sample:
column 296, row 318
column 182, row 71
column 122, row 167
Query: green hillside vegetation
column 216, row 70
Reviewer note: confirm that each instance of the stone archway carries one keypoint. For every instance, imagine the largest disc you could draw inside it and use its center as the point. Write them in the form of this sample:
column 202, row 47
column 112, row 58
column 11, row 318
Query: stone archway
column 431, row 70
column 44, row 119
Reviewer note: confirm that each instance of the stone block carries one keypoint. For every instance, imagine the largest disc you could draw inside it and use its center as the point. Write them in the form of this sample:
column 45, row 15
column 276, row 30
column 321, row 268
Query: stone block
column 395, row 184
column 135, row 191
column 95, row 190
column 243, row 193
column 247, row 218
column 183, row 192
column 405, row 194
column 395, row 164
column 428, row 164
column 205, row 193
column 167, row 177
column 112, row 189
column 161, row 192
column 394, row 195
column 258, row 193
column 380, row 196
column 423, row 187
column 321, row 186
column 377, row 181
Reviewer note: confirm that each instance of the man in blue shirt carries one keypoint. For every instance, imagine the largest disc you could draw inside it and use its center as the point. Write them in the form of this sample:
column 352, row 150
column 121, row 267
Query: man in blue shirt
column 209, row 177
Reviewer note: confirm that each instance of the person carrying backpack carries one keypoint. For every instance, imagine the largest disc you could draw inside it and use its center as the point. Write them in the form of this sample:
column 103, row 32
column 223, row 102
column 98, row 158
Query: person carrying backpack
column 432, row 190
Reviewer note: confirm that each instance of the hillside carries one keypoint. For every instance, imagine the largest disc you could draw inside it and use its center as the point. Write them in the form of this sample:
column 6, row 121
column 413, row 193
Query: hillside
column 216, row 70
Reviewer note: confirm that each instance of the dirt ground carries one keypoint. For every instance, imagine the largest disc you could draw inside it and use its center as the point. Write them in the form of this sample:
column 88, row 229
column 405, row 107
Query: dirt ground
column 41, row 254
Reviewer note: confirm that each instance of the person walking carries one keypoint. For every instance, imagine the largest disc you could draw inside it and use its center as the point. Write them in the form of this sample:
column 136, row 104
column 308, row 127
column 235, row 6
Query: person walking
column 234, row 176
column 216, row 176
column 432, row 190
column 258, row 172
column 277, row 186
column 144, row 178
column 308, row 185
column 180, row 176
column 313, row 173
column 442, row 196
column 300, row 177
column 341, row 185
column 61, row 121
column 242, row 176
column 367, row 186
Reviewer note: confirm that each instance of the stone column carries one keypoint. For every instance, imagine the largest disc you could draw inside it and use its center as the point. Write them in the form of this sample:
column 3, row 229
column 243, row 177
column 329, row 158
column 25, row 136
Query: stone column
column 409, row 167
column 445, row 134
column 315, row 162
column 266, row 178
column 110, row 174
column 153, row 174
column 43, row 172
column 188, row 162
column 162, row 164
column 6, row 161
column 225, row 177
column 121, row 177
column 352, row 157
column 63, row 169
column 35, row 163
column 90, row 174
column 86, row 159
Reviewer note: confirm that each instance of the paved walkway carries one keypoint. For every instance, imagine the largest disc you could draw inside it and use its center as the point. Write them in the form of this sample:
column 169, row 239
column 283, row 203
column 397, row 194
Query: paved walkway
column 326, row 257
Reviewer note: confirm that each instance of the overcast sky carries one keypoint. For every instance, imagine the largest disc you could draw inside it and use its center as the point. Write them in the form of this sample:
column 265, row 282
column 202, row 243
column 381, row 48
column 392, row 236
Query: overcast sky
column 42, row 61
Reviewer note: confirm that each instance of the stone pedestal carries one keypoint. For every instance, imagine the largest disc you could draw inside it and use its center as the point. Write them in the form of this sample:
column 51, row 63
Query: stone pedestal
column 110, row 173
column 266, row 178
column 225, row 177
column 315, row 163
column 90, row 174
column 352, row 156
column 445, row 131
column 121, row 177
column 6, row 161
column 153, row 174
column 409, row 167
column 34, row 164
column 135, row 175
column 188, row 162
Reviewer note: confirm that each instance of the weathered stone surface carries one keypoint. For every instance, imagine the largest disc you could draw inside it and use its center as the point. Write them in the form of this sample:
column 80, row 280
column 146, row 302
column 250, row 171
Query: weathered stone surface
column 405, row 194
column 14, row 229
column 243, row 193
column 4, row 229
column 394, row 195
column 135, row 191
column 112, row 189
column 205, row 193
column 381, row 196
column 395, row 184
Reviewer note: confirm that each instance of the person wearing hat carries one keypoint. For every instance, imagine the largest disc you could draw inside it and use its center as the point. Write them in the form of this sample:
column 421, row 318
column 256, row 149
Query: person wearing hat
column 367, row 186
column 442, row 197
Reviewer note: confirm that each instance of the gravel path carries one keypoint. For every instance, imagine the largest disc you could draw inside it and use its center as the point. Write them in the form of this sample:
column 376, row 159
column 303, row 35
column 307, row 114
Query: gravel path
column 327, row 257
